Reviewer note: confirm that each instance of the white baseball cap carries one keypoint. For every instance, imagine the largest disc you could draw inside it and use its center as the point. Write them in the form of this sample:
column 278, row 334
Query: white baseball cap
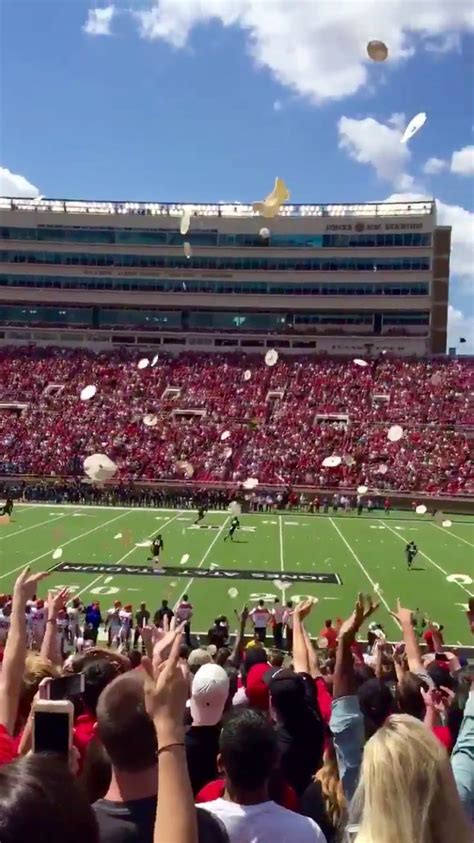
column 209, row 693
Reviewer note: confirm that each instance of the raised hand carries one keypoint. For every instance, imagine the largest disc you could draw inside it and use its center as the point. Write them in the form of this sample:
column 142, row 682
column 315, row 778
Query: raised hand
column 351, row 626
column 371, row 607
column 166, row 692
column 56, row 601
column 403, row 616
column 303, row 609
column 26, row 584
column 162, row 648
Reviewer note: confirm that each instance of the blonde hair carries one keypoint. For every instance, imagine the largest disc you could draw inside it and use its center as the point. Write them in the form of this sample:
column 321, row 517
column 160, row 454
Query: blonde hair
column 36, row 669
column 331, row 787
column 406, row 792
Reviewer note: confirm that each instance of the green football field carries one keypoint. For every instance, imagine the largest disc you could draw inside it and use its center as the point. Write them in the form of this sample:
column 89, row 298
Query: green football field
column 330, row 557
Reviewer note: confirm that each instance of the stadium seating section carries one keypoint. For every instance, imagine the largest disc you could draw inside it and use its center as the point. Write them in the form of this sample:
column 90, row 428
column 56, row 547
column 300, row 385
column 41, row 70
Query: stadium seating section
column 282, row 422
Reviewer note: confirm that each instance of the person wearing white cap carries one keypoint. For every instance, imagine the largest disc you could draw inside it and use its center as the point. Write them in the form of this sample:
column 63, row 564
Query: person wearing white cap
column 209, row 693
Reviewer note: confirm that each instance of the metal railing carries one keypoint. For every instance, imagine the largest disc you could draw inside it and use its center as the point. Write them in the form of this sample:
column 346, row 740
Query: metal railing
column 41, row 204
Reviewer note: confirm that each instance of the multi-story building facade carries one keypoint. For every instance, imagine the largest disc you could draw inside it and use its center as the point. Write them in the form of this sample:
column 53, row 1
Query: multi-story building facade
column 333, row 279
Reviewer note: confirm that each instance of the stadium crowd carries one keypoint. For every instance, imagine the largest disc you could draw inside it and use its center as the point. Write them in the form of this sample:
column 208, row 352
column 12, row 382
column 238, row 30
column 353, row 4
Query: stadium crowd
column 228, row 742
column 283, row 420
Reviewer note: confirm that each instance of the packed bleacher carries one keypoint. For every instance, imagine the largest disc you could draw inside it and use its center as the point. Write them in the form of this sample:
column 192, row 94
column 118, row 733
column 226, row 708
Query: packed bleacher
column 258, row 737
column 283, row 421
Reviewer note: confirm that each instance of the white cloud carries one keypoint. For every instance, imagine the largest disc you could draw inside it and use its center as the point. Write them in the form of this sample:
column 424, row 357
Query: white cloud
column 434, row 166
column 370, row 142
column 99, row 21
column 321, row 55
column 462, row 162
column 460, row 325
column 12, row 184
column 462, row 239
column 447, row 43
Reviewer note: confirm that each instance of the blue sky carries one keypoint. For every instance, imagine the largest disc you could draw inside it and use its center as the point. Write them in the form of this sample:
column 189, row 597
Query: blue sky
column 208, row 100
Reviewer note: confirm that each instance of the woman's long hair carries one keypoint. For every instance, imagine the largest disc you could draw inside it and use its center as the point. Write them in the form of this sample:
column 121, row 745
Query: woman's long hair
column 331, row 787
column 406, row 792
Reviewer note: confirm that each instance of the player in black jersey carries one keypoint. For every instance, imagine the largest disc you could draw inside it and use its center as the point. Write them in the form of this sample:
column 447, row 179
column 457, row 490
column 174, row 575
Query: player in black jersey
column 200, row 515
column 234, row 525
column 410, row 552
column 156, row 547
column 7, row 507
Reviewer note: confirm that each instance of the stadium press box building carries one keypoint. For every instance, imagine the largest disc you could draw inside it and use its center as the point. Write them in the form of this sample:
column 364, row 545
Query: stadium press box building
column 328, row 279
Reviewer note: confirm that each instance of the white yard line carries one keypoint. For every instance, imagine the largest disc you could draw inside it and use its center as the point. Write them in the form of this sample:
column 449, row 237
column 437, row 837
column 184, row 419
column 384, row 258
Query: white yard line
column 129, row 552
column 64, row 544
column 282, row 558
column 201, row 563
column 446, row 531
column 34, row 526
column 282, row 563
column 435, row 564
column 363, row 568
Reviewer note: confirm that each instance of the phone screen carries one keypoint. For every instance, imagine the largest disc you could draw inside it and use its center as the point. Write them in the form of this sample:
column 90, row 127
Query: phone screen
column 51, row 732
column 65, row 687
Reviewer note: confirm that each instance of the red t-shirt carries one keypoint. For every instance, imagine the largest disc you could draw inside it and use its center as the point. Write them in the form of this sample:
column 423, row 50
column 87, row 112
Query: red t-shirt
column 324, row 699
column 428, row 638
column 331, row 635
column 444, row 736
column 83, row 733
column 7, row 747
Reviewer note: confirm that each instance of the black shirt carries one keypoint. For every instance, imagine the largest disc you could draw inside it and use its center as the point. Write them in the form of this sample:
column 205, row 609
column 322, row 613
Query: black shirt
column 163, row 613
column 202, row 748
column 301, row 741
column 312, row 805
column 134, row 822
column 126, row 822
column 142, row 617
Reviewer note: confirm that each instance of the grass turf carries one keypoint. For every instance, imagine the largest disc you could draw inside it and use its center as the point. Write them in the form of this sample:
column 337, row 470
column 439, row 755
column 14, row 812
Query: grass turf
column 363, row 551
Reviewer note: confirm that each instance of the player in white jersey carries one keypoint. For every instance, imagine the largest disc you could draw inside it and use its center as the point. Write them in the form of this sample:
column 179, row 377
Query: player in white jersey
column 288, row 624
column 74, row 618
column 29, row 625
column 126, row 624
column 39, row 617
column 62, row 630
column 260, row 617
column 112, row 624
column 184, row 612
column 277, row 616
column 5, row 619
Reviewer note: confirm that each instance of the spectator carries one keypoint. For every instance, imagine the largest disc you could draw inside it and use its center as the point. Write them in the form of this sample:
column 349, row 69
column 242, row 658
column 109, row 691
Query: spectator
column 323, row 799
column 299, row 727
column 166, row 689
column 163, row 612
column 415, row 798
column 98, row 673
column 376, row 704
column 218, row 634
column 330, row 634
column 14, row 656
column 128, row 810
column 40, row 800
column 209, row 693
column 248, row 754
column 197, row 658
column 463, row 758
